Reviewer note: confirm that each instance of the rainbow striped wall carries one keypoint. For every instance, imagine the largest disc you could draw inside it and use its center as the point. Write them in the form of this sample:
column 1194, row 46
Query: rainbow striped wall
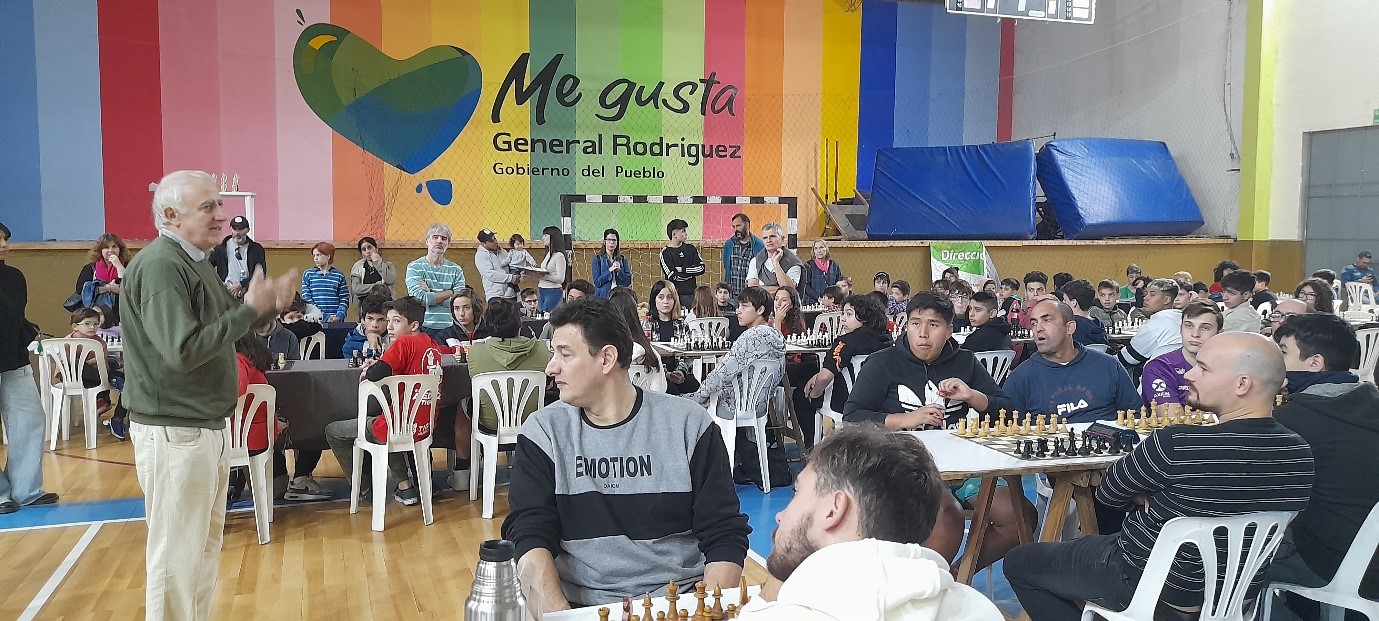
column 96, row 102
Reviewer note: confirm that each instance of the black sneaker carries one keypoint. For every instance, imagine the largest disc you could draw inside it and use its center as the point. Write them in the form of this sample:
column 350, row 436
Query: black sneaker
column 9, row 506
column 48, row 498
column 408, row 497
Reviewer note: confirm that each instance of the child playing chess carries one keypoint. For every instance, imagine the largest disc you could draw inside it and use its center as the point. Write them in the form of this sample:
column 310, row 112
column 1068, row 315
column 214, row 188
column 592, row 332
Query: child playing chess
column 85, row 323
column 992, row 332
column 831, row 299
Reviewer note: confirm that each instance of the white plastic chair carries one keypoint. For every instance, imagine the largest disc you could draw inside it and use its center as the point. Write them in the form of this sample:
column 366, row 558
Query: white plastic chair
column 1101, row 347
column 832, row 323
column 751, row 390
column 1239, row 567
column 1357, row 315
column 644, row 378
column 1361, row 295
column 710, row 327
column 997, row 363
column 1265, row 308
column 1343, row 592
column 1369, row 353
column 312, row 347
column 401, row 396
column 507, row 391
column 256, row 397
column 62, row 363
column 849, row 378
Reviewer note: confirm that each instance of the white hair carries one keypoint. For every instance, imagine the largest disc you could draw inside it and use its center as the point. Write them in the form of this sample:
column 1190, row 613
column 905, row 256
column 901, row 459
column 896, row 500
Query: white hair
column 439, row 227
column 171, row 191
column 773, row 226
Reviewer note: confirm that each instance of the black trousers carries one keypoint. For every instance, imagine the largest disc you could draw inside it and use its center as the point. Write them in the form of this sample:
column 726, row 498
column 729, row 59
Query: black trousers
column 1052, row 580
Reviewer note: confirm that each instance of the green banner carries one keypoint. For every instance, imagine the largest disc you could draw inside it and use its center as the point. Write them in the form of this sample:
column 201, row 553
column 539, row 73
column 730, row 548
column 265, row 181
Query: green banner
column 973, row 264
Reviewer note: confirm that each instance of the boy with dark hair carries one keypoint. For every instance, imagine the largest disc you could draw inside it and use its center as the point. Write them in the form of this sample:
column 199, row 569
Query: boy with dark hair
column 1162, row 381
column 368, row 338
column 1239, row 316
column 531, row 302
column 412, row 352
column 1338, row 416
column 1106, row 311
column 900, row 296
column 881, row 282
column 1262, row 294
column 1008, row 294
column 723, row 299
column 1036, row 290
column 1060, row 279
column 590, row 468
column 578, row 288
column 1078, row 295
column 831, row 298
column 992, row 331
column 294, row 319
column 680, row 262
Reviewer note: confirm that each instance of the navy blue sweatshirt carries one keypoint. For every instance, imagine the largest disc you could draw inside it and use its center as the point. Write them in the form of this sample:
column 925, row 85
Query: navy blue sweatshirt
column 876, row 393
column 1089, row 331
column 1091, row 387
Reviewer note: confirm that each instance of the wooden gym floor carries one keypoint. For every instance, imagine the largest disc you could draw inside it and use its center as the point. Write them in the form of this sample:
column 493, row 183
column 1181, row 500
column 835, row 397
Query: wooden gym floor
column 84, row 558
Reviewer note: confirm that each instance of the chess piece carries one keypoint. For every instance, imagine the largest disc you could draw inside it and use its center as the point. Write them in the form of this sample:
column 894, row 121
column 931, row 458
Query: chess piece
column 1043, row 447
column 962, row 428
column 282, row 361
column 1120, row 418
column 672, row 594
column 717, row 602
column 1039, row 424
column 1278, row 400
column 603, row 613
column 699, row 596
column 646, row 607
column 986, row 423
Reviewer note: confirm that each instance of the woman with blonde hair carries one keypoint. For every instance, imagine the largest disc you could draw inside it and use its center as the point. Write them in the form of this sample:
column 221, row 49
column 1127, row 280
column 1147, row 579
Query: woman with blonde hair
column 820, row 273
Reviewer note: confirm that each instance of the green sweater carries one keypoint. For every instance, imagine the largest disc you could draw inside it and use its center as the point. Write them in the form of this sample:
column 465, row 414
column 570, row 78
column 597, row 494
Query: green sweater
column 180, row 326
column 515, row 354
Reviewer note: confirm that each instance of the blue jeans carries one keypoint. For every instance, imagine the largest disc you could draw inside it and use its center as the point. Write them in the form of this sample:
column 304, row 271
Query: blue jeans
column 1053, row 579
column 22, row 478
column 548, row 299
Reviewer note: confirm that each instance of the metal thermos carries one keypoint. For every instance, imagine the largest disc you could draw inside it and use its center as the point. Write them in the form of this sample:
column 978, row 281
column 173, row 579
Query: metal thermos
column 496, row 594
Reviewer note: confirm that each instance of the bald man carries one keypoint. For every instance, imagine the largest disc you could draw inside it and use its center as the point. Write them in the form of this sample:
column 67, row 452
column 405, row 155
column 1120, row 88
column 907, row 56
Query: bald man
column 1248, row 462
column 1283, row 310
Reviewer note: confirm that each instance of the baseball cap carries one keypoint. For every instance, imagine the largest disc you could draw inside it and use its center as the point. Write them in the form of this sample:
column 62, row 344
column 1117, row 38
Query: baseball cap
column 486, row 236
column 1364, row 254
column 239, row 223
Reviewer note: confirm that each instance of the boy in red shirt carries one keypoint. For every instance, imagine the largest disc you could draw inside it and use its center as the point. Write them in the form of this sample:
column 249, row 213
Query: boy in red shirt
column 412, row 352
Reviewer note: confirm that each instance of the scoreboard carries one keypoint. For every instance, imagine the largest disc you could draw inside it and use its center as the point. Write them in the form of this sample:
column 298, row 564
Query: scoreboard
column 1073, row 11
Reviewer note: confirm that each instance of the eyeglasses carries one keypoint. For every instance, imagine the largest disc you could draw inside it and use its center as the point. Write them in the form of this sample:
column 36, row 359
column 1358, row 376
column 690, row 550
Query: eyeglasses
column 1280, row 316
column 88, row 324
column 1307, row 294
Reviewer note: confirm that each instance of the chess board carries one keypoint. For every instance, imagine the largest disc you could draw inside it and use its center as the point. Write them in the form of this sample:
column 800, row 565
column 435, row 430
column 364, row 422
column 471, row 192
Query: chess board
column 726, row 605
column 1101, row 439
column 1014, row 446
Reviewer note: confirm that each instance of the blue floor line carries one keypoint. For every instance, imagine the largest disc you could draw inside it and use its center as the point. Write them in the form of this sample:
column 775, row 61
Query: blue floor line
column 73, row 513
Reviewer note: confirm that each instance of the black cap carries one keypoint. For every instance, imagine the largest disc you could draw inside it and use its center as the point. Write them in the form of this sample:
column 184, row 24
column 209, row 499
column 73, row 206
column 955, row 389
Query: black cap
column 1364, row 254
column 880, row 275
column 239, row 223
column 486, row 236
column 496, row 550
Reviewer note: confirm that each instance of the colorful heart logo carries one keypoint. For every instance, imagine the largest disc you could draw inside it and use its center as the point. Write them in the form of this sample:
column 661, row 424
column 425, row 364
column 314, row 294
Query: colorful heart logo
column 405, row 112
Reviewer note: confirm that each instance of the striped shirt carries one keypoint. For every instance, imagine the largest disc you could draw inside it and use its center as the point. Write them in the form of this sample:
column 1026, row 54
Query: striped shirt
column 447, row 277
column 328, row 290
column 1236, row 467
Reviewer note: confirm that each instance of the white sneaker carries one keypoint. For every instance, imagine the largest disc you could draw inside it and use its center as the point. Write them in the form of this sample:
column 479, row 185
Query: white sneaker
column 459, row 480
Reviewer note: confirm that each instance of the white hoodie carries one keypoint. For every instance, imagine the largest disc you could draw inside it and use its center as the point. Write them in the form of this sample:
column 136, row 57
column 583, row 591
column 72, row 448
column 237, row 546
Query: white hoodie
column 873, row 580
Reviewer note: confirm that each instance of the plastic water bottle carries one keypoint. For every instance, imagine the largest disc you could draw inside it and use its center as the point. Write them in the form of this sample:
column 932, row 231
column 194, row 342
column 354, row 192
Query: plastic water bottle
column 495, row 594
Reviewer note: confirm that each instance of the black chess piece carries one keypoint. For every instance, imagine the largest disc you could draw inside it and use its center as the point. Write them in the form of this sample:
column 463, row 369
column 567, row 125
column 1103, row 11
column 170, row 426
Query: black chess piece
column 1115, row 445
column 1029, row 449
column 1072, row 444
column 464, row 356
column 1043, row 447
column 1057, row 448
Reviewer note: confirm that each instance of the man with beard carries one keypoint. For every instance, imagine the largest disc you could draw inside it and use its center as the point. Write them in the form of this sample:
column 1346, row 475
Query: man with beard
column 848, row 544
column 1247, row 462
column 738, row 252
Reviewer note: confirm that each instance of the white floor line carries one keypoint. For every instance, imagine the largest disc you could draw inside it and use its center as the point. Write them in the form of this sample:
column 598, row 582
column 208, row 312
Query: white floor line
column 68, row 524
column 58, row 576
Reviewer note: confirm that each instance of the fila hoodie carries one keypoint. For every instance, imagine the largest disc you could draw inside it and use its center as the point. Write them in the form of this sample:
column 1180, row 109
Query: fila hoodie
column 1089, row 388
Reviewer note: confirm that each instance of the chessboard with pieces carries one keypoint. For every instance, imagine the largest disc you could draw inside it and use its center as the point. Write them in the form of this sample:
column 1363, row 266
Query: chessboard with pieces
column 700, row 342
column 809, row 338
column 703, row 609
column 1044, row 437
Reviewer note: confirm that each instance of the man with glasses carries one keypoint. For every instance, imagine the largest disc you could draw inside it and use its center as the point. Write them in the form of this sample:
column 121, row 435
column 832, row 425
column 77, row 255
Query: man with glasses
column 1284, row 310
column 237, row 256
column 775, row 266
column 530, row 302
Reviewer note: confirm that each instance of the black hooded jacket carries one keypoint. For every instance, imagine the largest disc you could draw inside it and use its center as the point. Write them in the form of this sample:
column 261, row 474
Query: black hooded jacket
column 993, row 336
column 876, row 393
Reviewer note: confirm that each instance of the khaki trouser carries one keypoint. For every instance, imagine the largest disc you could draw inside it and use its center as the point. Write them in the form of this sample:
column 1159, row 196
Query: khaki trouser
column 184, row 472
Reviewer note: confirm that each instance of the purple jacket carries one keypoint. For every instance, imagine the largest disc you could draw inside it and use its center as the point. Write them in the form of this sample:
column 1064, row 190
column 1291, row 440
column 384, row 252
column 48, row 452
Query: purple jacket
column 1162, row 381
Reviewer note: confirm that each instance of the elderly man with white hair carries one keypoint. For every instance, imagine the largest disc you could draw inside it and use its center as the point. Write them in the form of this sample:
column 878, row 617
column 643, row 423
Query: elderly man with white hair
column 775, row 266
column 434, row 279
column 180, row 326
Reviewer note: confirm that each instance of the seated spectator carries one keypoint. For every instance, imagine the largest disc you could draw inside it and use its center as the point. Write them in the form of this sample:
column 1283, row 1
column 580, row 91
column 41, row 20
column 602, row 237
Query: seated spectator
column 925, row 381
column 674, row 517
column 85, row 323
column 1338, row 416
column 1008, row 294
column 1066, row 379
column 900, row 296
column 863, row 333
column 1329, row 275
column 1185, row 293
column 666, row 322
column 369, row 338
column 1239, row 316
column 1317, row 295
column 881, row 282
column 325, row 286
column 1162, row 381
column 1262, row 293
column 960, row 294
column 940, row 287
column 1159, row 333
column 1222, row 268
column 787, row 318
column 1246, row 463
column 278, row 338
column 1282, row 311
column 254, row 359
column 1106, row 311
column 99, row 281
column 723, row 299
column 294, row 319
column 992, row 332
column 1128, row 293
column 831, row 299
column 759, row 341
column 854, row 536
column 467, row 312
column 643, row 353
column 1359, row 271
column 1060, row 279
column 411, row 353
column 504, row 350
column 704, row 303
column 1078, row 295
column 530, row 302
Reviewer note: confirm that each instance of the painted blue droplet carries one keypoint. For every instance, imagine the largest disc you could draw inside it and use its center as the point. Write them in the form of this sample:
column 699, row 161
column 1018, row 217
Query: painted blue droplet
column 418, row 188
column 442, row 191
